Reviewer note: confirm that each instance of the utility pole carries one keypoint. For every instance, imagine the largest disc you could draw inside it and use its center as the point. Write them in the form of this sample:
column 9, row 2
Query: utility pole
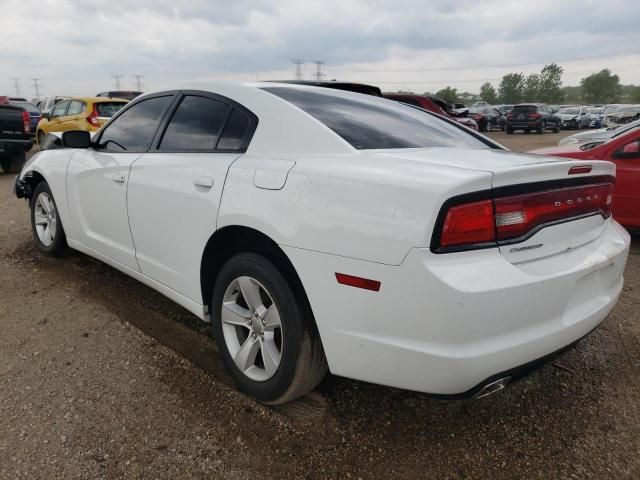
column 16, row 86
column 36, row 87
column 298, row 63
column 117, row 79
column 318, row 74
column 138, row 82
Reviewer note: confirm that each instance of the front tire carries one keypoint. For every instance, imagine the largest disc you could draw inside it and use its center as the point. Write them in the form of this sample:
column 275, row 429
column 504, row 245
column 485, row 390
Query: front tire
column 265, row 332
column 46, row 225
column 40, row 136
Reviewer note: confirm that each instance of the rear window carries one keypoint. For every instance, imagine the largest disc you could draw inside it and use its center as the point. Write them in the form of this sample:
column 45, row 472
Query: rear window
column 367, row 122
column 108, row 109
column 524, row 109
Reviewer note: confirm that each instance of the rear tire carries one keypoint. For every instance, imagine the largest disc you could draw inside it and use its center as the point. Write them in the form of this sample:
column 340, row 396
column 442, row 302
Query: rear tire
column 286, row 358
column 556, row 129
column 46, row 224
column 541, row 128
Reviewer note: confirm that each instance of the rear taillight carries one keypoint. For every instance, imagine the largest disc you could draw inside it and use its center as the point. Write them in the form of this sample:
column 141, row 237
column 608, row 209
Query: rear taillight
column 513, row 218
column 469, row 223
column 26, row 122
column 93, row 118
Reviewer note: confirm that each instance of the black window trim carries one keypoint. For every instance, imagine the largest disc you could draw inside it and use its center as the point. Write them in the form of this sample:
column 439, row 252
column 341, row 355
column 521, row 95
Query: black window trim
column 168, row 93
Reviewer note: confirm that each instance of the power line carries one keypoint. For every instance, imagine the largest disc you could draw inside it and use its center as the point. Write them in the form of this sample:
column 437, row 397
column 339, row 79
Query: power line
column 457, row 69
column 117, row 79
column 298, row 63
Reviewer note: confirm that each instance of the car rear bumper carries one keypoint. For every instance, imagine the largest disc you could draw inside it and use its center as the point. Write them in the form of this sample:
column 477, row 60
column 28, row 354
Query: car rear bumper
column 445, row 324
column 520, row 125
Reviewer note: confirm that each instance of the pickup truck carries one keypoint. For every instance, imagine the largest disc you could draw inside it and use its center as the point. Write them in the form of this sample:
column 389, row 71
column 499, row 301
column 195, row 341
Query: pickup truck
column 15, row 137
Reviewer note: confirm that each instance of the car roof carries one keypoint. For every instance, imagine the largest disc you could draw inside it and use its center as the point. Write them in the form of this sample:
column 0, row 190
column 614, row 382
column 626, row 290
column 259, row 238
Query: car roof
column 347, row 86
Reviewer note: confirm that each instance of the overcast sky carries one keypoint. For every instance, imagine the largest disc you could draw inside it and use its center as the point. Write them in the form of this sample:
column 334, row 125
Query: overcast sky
column 75, row 46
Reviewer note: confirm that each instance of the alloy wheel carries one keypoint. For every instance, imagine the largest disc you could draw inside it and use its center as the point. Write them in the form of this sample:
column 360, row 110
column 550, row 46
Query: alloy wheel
column 45, row 218
column 252, row 328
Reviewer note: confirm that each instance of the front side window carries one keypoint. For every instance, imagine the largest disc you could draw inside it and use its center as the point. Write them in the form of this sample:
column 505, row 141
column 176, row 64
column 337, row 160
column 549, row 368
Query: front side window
column 60, row 109
column 375, row 123
column 75, row 107
column 195, row 125
column 134, row 129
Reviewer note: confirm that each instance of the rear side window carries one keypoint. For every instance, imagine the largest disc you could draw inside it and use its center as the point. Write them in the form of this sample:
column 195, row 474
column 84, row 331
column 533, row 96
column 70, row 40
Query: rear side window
column 234, row 131
column 108, row 109
column 524, row 109
column 195, row 125
column 371, row 123
column 132, row 131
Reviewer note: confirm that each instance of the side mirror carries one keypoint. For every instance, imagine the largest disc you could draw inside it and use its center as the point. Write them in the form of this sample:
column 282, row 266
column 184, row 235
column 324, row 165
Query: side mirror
column 630, row 150
column 46, row 115
column 76, row 139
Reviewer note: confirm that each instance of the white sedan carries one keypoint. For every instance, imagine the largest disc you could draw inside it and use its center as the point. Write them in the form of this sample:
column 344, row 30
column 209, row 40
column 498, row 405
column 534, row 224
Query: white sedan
column 318, row 229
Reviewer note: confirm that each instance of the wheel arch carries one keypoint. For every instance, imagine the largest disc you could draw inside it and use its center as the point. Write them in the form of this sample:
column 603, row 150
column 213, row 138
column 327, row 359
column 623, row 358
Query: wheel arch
column 233, row 239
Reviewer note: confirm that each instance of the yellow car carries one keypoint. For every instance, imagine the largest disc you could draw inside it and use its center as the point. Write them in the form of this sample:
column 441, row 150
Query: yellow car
column 86, row 113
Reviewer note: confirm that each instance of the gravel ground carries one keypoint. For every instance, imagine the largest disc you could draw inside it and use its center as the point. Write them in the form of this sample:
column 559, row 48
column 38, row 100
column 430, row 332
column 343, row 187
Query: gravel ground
column 101, row 377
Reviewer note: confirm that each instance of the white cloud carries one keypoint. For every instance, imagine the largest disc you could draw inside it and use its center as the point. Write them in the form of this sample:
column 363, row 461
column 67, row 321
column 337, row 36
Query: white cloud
column 75, row 46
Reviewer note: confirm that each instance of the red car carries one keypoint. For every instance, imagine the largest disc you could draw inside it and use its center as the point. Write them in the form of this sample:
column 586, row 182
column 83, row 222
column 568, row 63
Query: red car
column 623, row 150
column 433, row 105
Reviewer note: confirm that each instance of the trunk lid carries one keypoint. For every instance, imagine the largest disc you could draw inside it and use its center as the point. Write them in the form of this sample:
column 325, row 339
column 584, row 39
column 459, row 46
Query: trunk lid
column 11, row 123
column 515, row 174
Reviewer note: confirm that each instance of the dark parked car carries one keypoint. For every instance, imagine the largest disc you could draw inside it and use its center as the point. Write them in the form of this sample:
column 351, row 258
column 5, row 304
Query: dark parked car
column 15, row 136
column 434, row 105
column 487, row 118
column 532, row 116
column 32, row 110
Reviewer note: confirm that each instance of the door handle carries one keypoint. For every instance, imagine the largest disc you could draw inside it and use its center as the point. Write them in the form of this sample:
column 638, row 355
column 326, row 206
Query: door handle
column 118, row 177
column 206, row 182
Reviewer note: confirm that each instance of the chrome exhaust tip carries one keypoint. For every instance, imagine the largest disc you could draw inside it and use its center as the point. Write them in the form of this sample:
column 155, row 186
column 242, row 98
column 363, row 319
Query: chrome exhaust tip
column 493, row 387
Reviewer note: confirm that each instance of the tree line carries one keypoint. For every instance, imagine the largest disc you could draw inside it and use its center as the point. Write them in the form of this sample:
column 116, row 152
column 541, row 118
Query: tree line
column 546, row 87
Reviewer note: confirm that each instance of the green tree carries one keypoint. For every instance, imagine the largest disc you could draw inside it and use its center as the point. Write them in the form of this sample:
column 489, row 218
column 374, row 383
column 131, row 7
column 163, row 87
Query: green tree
column 601, row 87
column 572, row 94
column 531, row 91
column 634, row 95
column 511, row 88
column 550, row 84
column 448, row 94
column 488, row 93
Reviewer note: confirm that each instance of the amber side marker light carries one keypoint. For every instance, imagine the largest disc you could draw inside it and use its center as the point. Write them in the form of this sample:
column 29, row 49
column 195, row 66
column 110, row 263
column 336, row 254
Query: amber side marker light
column 358, row 282
column 579, row 169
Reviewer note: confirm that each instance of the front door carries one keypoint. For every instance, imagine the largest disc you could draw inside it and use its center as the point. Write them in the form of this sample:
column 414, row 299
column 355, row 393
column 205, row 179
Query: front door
column 97, row 181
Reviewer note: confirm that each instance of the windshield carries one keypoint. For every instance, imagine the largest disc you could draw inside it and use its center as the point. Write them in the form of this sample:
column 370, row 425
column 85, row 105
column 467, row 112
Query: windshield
column 108, row 109
column 368, row 122
column 597, row 110
column 569, row 111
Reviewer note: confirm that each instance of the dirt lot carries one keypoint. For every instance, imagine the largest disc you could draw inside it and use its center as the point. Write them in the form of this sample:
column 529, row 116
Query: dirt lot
column 101, row 377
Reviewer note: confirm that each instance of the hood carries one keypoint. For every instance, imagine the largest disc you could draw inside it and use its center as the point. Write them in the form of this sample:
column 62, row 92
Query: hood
column 566, row 116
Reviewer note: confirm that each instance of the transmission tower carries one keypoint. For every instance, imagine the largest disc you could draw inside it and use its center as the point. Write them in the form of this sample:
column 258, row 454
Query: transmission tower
column 117, row 79
column 36, row 86
column 318, row 73
column 298, row 63
column 16, row 86
column 138, row 82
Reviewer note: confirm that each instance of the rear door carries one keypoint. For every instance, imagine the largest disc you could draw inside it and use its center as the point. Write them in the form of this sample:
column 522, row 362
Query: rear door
column 175, row 189
column 97, row 180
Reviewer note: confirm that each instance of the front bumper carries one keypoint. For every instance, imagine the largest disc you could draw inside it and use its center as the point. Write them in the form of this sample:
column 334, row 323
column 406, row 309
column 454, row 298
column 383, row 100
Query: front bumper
column 444, row 324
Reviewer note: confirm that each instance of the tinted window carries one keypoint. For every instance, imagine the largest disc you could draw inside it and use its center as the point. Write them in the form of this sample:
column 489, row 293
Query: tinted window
column 195, row 125
column 369, row 122
column 234, row 131
column 519, row 109
column 133, row 130
column 60, row 109
column 75, row 107
column 108, row 109
column 28, row 106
